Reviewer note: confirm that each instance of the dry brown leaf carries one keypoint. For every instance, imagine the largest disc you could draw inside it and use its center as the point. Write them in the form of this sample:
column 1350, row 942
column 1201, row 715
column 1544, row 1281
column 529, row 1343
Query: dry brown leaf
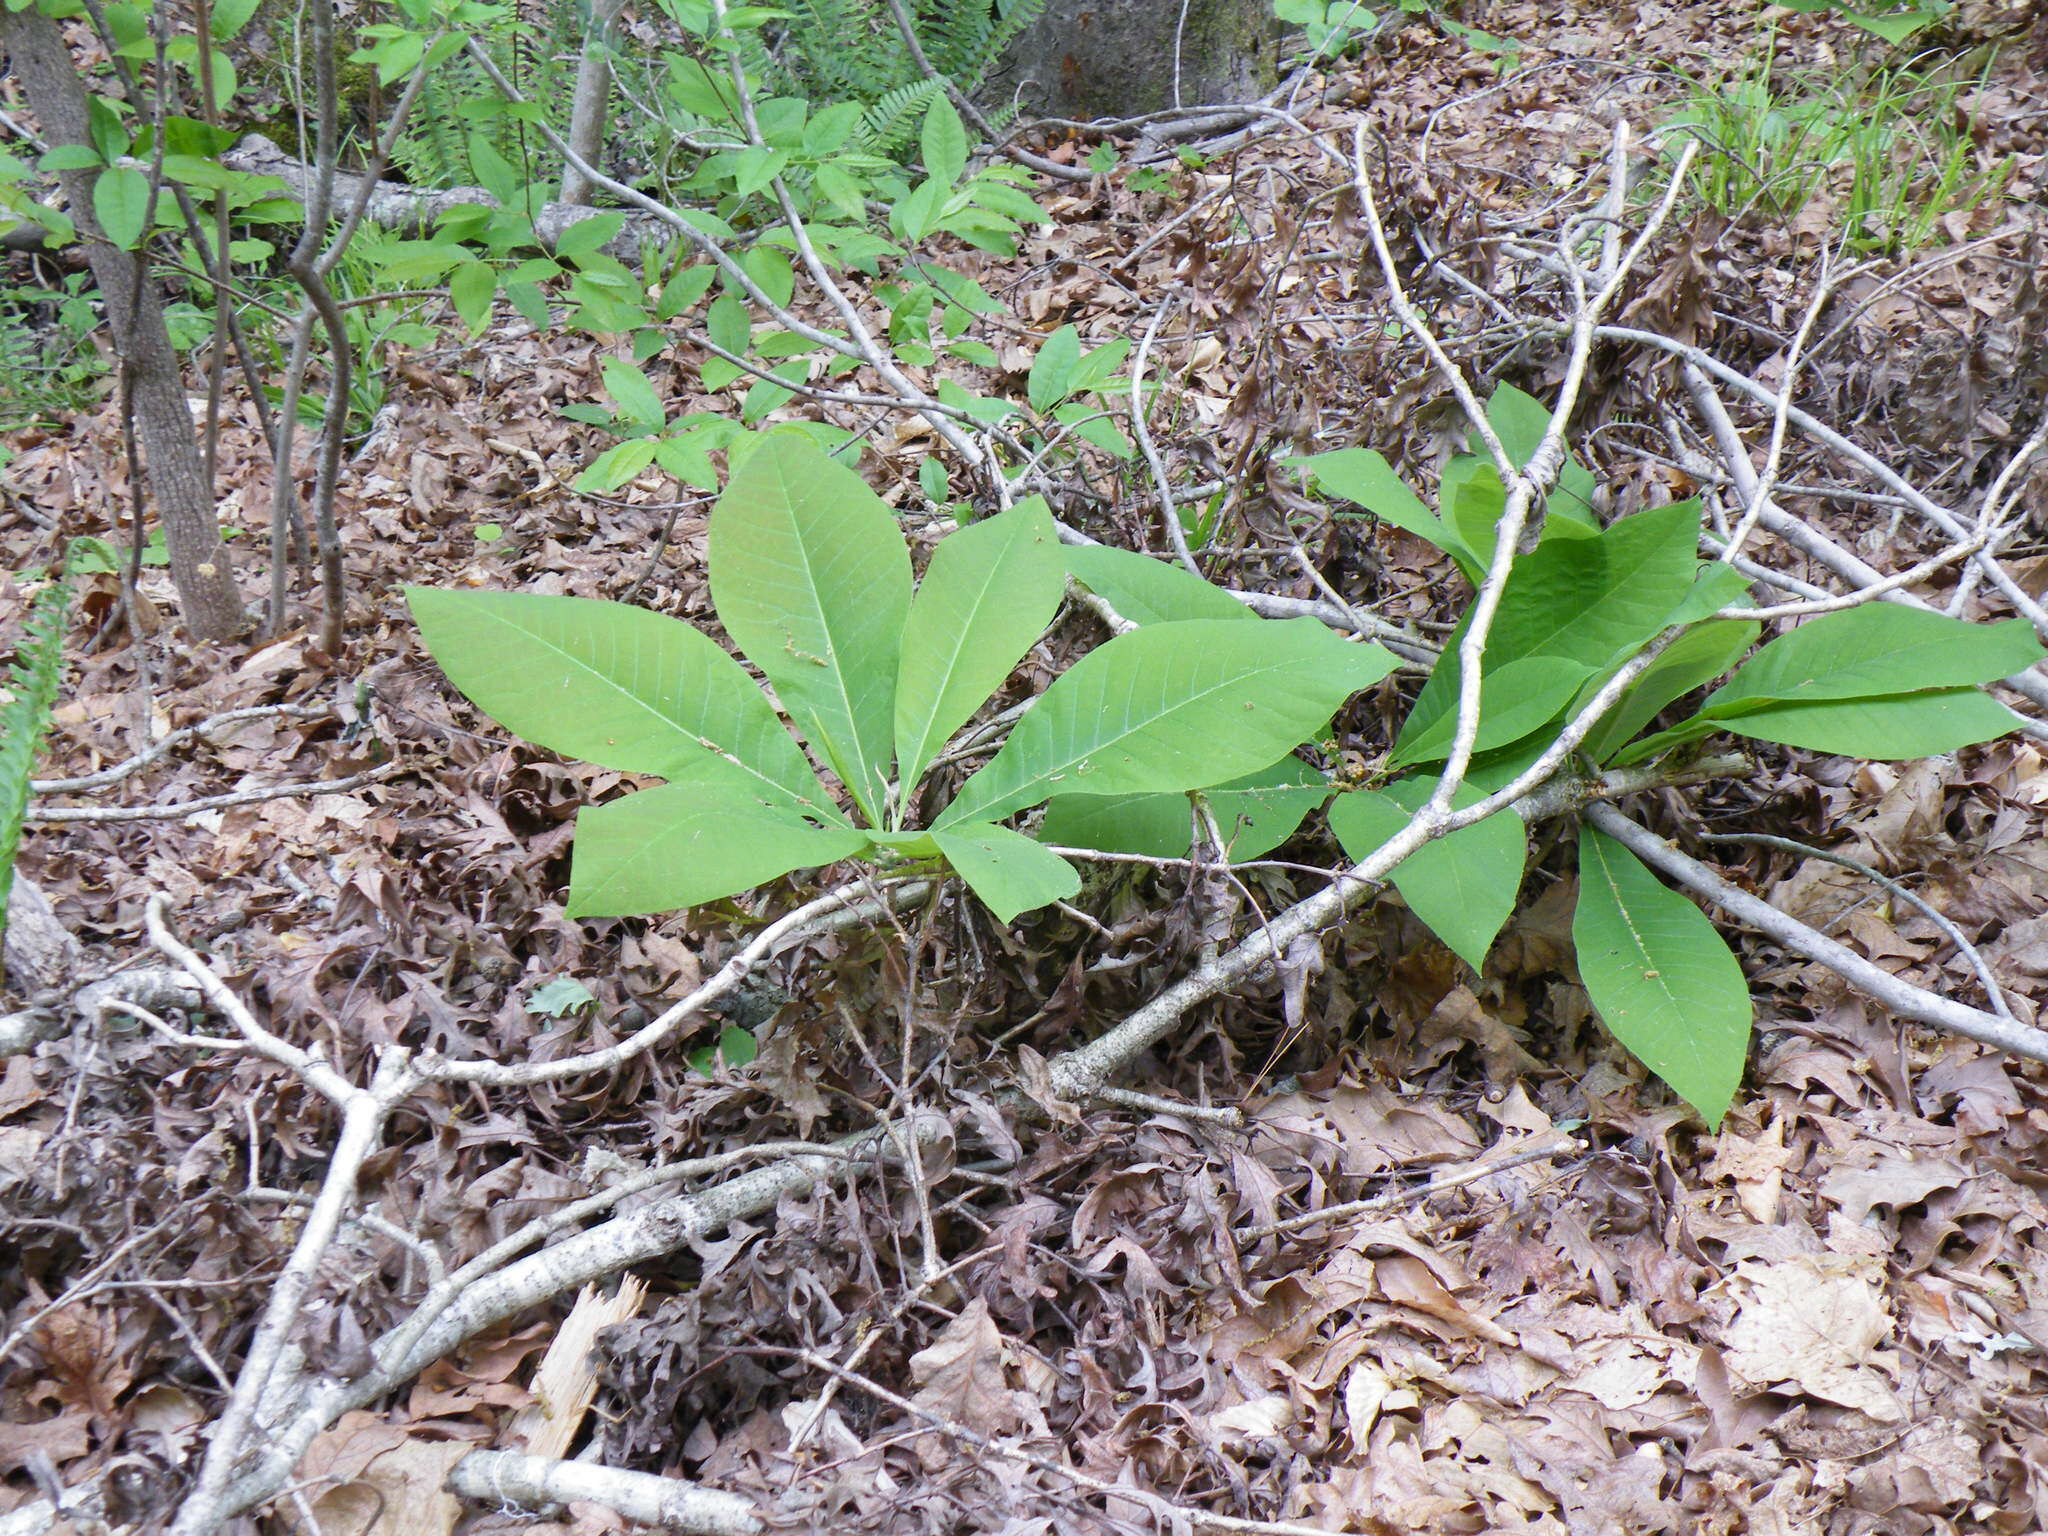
column 1816, row 1323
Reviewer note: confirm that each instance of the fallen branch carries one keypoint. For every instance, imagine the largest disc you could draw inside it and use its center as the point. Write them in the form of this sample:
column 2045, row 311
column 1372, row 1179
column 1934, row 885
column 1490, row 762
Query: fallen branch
column 177, row 809
column 411, row 210
column 537, row 1483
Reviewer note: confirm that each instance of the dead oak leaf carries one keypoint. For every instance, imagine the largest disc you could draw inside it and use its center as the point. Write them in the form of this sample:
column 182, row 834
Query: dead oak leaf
column 960, row 1379
column 1814, row 1322
column 1892, row 1181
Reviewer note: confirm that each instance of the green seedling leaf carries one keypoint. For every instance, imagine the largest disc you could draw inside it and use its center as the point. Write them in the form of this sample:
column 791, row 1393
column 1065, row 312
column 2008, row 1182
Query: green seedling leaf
column 1093, row 427
column 811, row 578
column 617, row 465
column 615, row 685
column 589, row 235
column 1520, row 420
column 1148, row 591
column 990, row 591
column 729, row 325
column 772, row 274
column 1691, row 661
column 1256, row 814
column 1052, row 371
column 470, row 289
column 1888, row 729
column 228, row 17
column 1473, row 499
column 1463, row 885
column 120, row 203
column 1007, row 870
column 687, row 461
column 1515, row 699
column 1172, row 707
column 736, row 1048
column 1714, row 587
column 1663, row 981
column 1363, row 476
column 560, row 998
column 633, row 395
column 1881, row 648
column 702, row 837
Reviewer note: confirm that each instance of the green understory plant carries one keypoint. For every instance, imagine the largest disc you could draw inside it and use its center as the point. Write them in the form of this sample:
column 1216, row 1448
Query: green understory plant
column 25, row 716
column 1889, row 145
column 812, row 580
column 48, row 367
column 1879, row 681
column 1183, row 730
column 1893, row 23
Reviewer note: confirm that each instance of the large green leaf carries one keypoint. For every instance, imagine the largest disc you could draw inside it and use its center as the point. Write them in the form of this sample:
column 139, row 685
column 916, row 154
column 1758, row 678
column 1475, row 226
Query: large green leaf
column 1148, row 591
column 615, row 685
column 1663, row 980
column 1007, row 870
column 1363, row 476
column 1462, row 885
column 989, row 592
column 1472, row 499
column 943, row 143
column 811, row 578
column 1691, row 661
column 1880, row 648
column 1255, row 814
column 1520, row 421
column 1519, row 697
column 1900, row 726
column 695, row 840
column 1586, row 600
column 1172, row 707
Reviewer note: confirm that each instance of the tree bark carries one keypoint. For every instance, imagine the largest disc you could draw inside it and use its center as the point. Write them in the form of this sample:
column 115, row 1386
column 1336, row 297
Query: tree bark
column 1122, row 58
column 200, row 567
column 590, row 104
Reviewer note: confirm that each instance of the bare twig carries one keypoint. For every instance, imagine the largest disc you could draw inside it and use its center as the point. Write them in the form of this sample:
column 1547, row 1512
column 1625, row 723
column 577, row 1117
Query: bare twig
column 1419, row 1194
column 1993, row 993
column 847, row 905
column 57, row 815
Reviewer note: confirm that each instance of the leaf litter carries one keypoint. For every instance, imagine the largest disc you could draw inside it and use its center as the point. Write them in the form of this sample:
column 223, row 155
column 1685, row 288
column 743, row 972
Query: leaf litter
column 1832, row 1316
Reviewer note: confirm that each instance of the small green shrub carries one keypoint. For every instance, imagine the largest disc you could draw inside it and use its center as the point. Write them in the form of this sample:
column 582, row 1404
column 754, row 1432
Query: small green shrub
column 812, row 580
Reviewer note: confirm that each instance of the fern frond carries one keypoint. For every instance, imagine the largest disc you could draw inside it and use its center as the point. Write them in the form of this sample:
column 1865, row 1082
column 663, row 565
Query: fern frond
column 893, row 121
column 38, row 667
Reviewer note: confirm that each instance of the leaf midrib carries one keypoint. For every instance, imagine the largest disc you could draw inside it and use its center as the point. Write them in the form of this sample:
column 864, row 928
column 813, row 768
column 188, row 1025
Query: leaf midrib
column 701, row 743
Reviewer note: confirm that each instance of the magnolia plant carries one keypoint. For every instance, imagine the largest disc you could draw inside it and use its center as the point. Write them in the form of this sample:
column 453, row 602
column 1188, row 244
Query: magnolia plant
column 875, row 676
column 812, row 581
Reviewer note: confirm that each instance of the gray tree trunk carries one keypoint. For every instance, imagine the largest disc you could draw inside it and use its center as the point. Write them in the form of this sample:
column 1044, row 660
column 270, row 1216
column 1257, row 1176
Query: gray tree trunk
column 589, row 105
column 200, row 568
column 1121, row 58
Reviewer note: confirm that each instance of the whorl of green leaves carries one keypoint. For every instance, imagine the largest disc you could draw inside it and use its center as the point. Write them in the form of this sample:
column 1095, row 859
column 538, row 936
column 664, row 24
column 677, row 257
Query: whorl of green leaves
column 38, row 666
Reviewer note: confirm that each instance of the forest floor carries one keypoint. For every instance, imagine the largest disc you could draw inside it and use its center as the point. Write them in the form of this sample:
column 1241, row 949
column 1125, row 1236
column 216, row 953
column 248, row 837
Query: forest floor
column 1830, row 1316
